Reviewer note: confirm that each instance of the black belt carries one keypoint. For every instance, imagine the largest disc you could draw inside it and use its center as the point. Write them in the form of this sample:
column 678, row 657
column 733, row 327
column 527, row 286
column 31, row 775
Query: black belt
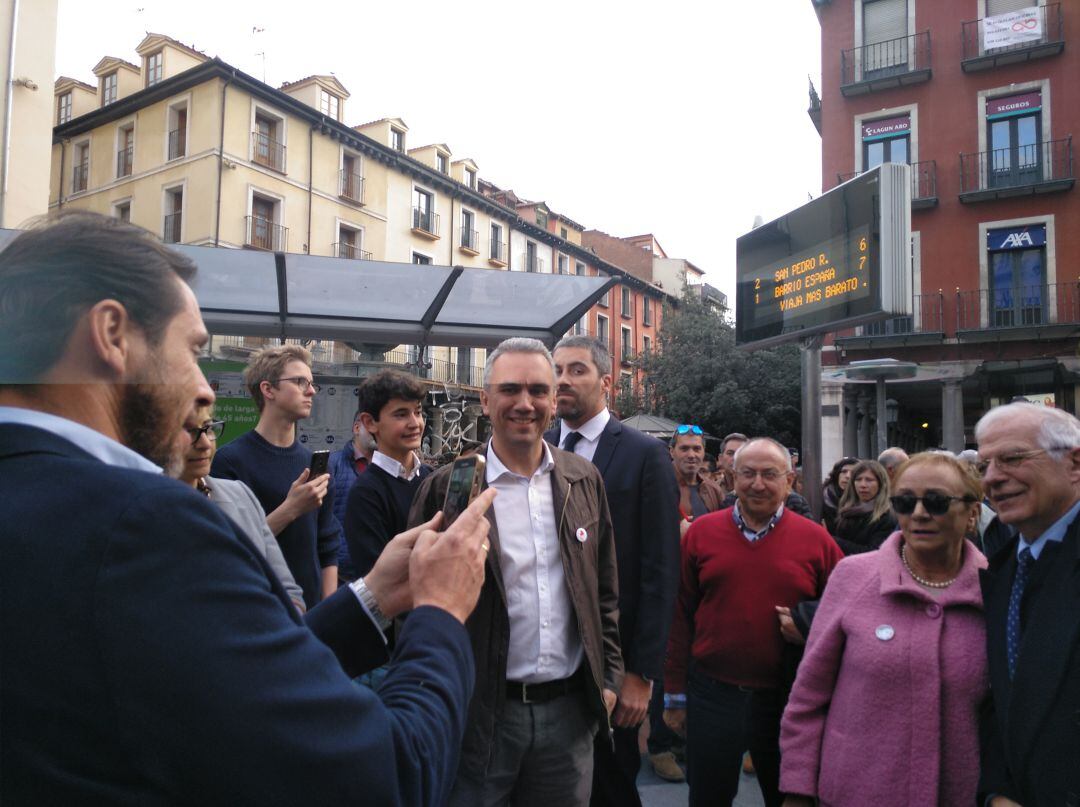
column 544, row 691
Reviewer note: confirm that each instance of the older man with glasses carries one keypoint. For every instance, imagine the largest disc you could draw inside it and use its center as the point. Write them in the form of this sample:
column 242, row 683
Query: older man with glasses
column 1029, row 456
column 271, row 461
column 742, row 568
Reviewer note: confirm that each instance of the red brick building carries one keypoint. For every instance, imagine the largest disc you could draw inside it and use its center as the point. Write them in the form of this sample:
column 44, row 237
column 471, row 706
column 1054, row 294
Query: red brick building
column 981, row 98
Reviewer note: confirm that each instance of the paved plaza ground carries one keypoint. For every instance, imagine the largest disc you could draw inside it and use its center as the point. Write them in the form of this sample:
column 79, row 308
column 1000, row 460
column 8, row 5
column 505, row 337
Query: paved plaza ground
column 655, row 792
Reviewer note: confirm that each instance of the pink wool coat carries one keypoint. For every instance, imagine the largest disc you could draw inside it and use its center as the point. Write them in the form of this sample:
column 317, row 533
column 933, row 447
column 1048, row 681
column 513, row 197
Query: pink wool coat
column 885, row 706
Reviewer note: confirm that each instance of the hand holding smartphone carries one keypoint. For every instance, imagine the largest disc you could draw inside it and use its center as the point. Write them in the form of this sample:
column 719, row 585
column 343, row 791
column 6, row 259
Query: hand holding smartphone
column 466, row 479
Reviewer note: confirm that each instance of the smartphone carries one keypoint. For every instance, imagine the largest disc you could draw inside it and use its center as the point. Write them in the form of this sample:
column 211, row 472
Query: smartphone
column 466, row 477
column 320, row 461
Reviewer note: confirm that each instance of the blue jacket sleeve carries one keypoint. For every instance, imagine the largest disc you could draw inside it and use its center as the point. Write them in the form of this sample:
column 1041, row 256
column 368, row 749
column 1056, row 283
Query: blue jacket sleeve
column 246, row 703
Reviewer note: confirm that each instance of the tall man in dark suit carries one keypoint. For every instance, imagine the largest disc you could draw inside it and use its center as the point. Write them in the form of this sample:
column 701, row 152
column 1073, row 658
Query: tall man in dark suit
column 643, row 499
column 151, row 656
column 1030, row 459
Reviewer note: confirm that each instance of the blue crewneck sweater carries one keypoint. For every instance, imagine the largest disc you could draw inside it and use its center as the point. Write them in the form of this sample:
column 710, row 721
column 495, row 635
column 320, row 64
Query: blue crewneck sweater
column 377, row 510
column 310, row 542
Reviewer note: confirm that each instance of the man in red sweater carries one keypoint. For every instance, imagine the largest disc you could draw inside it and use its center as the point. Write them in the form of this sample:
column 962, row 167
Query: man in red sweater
column 725, row 652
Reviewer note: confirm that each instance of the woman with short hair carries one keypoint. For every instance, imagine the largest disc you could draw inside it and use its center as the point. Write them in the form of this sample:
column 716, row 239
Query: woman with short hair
column 232, row 496
column 885, row 705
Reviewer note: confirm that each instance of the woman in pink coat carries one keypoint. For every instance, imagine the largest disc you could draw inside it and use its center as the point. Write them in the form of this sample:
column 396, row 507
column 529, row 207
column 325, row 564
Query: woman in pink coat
column 885, row 706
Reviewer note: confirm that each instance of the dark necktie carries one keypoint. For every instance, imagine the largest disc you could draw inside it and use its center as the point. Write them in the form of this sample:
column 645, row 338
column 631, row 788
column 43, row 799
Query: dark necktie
column 1012, row 624
column 571, row 441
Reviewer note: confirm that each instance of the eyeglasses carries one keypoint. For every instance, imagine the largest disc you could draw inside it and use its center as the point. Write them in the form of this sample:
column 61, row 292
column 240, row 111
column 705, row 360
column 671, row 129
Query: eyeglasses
column 688, row 429
column 300, row 381
column 936, row 504
column 749, row 474
column 1014, row 460
column 212, row 430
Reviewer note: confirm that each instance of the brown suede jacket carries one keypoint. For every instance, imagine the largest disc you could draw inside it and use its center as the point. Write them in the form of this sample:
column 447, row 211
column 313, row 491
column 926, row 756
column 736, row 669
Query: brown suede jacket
column 591, row 576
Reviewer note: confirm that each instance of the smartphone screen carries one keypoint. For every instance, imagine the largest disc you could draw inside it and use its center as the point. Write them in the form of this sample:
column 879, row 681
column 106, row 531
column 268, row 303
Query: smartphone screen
column 320, row 461
column 464, row 485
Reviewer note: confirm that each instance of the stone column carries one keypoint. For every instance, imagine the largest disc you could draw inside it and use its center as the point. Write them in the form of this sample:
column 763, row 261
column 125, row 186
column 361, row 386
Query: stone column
column 864, row 407
column 952, row 415
column 851, row 421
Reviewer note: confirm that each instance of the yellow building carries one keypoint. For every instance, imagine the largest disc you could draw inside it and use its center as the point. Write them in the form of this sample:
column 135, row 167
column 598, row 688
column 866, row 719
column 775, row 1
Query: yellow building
column 201, row 153
column 28, row 31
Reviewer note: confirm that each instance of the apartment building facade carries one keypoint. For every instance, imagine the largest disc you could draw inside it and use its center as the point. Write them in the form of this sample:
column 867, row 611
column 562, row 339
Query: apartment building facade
column 195, row 150
column 980, row 98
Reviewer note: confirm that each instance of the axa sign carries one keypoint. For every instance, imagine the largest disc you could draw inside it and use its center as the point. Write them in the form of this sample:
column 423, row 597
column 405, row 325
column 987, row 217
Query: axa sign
column 1026, row 237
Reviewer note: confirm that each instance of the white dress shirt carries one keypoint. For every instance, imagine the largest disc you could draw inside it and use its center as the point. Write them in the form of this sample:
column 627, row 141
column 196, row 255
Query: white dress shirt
column 590, row 432
column 395, row 468
column 92, row 442
column 544, row 641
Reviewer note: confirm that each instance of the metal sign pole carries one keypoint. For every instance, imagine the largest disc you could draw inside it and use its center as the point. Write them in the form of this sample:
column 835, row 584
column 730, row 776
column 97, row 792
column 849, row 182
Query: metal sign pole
column 810, row 353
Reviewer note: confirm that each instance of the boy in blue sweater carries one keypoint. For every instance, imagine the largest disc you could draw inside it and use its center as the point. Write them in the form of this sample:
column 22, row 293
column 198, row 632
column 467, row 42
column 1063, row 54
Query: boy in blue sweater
column 276, row 466
column 391, row 410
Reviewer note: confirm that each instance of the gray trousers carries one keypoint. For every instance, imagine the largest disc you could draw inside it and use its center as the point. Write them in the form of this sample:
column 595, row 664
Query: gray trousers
column 543, row 757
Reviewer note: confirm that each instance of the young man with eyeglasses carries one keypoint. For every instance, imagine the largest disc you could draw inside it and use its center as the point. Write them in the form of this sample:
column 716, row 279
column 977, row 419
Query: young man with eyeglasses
column 1029, row 457
column 271, row 461
column 742, row 568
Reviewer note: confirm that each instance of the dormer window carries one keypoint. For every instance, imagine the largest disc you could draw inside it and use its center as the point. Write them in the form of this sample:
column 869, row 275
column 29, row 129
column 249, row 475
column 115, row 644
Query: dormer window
column 442, row 162
column 470, row 178
column 154, row 63
column 109, row 88
column 397, row 140
column 63, row 108
column 329, row 104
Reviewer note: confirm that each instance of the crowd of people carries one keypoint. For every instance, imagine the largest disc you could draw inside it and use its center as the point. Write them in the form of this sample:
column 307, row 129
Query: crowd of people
column 255, row 631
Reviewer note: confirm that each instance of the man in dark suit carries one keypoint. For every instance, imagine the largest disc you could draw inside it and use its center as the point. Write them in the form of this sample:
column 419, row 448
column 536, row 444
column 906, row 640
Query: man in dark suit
column 150, row 654
column 643, row 499
column 1030, row 459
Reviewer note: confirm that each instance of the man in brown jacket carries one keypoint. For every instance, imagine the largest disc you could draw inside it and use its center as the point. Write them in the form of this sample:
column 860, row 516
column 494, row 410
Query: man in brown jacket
column 698, row 494
column 545, row 631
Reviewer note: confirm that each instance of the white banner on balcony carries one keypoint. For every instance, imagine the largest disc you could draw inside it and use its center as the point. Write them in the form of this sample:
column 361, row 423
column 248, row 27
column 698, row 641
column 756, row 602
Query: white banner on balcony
column 1013, row 28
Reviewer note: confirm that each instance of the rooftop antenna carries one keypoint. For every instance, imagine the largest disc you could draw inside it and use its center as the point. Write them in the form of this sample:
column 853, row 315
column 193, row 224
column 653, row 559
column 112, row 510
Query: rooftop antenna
column 255, row 29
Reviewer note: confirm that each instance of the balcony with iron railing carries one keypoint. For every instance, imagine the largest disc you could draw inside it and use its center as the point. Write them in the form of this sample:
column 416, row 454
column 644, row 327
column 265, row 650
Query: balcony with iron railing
column 1044, row 38
column 441, row 370
column 531, row 263
column 171, row 230
column 267, row 151
column 425, row 223
column 79, row 178
column 125, row 158
column 265, row 234
column 923, row 183
column 343, row 249
column 884, row 65
column 177, row 144
column 1046, row 311
column 497, row 253
column 1045, row 167
column 351, row 186
column 925, row 326
column 470, row 242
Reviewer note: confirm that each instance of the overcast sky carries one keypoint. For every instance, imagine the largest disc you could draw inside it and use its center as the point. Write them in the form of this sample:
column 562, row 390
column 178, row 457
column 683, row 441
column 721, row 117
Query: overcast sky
column 677, row 118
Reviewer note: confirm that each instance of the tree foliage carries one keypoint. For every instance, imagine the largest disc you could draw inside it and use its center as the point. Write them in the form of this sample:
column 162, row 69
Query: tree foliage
column 698, row 376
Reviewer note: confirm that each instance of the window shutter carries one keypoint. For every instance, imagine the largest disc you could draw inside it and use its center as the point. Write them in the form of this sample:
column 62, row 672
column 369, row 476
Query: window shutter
column 995, row 7
column 884, row 20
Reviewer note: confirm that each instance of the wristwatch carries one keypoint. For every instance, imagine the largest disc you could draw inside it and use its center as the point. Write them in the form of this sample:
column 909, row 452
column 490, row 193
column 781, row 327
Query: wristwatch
column 372, row 605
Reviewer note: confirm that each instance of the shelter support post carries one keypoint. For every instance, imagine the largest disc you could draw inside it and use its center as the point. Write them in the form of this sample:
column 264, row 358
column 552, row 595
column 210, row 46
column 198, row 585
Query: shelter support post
column 810, row 353
column 881, row 419
column 851, row 421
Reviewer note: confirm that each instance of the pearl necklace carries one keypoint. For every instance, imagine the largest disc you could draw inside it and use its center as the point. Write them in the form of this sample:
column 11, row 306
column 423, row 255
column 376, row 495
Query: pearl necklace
column 919, row 580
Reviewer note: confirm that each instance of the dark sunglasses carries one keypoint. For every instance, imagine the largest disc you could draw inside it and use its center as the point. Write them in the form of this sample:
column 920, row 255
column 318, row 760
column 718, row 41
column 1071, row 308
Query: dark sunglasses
column 212, row 430
column 688, row 429
column 936, row 504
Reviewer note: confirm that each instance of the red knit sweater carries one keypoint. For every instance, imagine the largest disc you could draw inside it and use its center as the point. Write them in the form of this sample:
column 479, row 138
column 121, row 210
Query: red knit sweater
column 725, row 616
